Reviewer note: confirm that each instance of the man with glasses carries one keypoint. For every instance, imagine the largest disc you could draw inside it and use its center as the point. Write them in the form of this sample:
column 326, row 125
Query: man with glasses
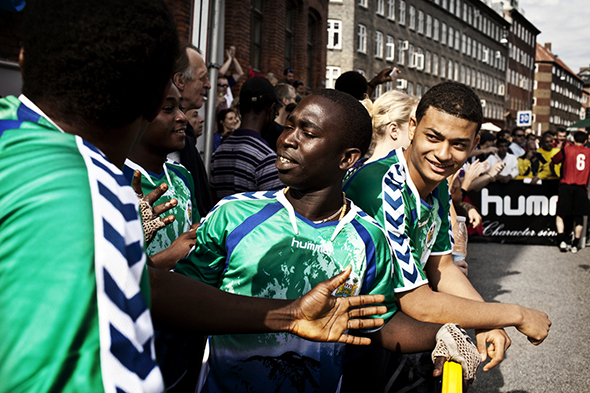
column 518, row 141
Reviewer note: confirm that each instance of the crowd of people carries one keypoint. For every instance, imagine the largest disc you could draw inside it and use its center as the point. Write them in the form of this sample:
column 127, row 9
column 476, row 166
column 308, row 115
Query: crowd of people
column 119, row 253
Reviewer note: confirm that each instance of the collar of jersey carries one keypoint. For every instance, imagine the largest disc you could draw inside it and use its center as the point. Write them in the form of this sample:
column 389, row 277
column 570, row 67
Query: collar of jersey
column 146, row 174
column 293, row 216
column 29, row 104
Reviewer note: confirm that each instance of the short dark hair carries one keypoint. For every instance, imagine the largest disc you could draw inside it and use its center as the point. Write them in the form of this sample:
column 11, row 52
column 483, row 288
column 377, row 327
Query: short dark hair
column 358, row 130
column 287, row 70
column 501, row 141
column 96, row 62
column 353, row 83
column 453, row 98
column 561, row 130
column 580, row 136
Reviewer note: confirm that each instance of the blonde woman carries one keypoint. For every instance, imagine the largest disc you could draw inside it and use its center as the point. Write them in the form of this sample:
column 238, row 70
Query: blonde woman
column 390, row 114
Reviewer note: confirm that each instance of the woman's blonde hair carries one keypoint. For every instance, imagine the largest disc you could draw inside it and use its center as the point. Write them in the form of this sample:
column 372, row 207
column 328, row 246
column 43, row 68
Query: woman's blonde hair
column 392, row 107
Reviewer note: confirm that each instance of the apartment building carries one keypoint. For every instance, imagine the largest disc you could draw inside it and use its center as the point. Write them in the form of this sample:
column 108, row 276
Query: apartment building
column 558, row 94
column 430, row 41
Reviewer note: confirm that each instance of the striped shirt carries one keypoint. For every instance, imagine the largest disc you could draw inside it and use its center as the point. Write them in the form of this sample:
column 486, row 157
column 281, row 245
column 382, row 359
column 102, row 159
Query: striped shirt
column 244, row 162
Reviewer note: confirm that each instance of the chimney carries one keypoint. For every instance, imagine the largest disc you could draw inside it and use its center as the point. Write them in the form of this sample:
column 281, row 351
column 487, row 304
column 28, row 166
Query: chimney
column 548, row 46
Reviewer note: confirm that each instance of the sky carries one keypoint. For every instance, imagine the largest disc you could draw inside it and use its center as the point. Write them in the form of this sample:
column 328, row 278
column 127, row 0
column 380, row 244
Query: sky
column 564, row 23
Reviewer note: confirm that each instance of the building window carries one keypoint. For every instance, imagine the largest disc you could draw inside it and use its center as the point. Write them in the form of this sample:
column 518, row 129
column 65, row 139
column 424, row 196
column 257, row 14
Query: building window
column 474, row 49
column 428, row 26
column 457, row 39
column 467, row 76
column 435, row 64
column 420, row 22
column 450, row 70
column 412, row 18
column 256, row 34
column 391, row 9
column 465, row 12
column 456, row 75
column 401, row 58
column 427, row 63
column 334, row 34
column 362, row 36
column 443, row 34
column 332, row 73
column 402, row 12
column 435, row 33
column 463, row 44
column 389, row 48
column 411, row 59
column 452, row 6
column 380, row 7
column 379, row 44
column 473, row 78
column 410, row 89
column 419, row 90
column 451, row 36
column 445, row 4
column 443, row 67
column 363, row 3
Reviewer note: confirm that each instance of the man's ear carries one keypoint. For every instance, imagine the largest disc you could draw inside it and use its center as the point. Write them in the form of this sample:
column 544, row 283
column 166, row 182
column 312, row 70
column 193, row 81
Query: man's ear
column 412, row 128
column 178, row 80
column 349, row 157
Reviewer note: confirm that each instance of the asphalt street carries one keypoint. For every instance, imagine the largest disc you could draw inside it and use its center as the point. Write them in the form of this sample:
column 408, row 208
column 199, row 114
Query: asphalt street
column 543, row 278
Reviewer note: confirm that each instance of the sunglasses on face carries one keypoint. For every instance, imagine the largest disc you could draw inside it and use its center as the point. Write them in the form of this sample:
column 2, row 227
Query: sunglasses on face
column 222, row 85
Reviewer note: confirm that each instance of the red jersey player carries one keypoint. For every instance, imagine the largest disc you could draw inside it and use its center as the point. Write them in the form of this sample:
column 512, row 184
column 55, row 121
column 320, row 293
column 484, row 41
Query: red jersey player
column 573, row 189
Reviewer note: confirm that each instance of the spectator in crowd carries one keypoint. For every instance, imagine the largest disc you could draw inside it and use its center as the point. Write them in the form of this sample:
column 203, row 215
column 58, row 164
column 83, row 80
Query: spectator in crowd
column 561, row 139
column 289, row 75
column 78, row 303
column 407, row 193
column 192, row 80
column 390, row 114
column 324, row 137
column 510, row 170
column 547, row 169
column 272, row 78
column 196, row 121
column 504, row 134
column 573, row 203
column 528, row 164
column 356, row 85
column 518, row 142
column 227, row 79
column 244, row 161
column 288, row 100
column 299, row 90
column 227, row 123
column 486, row 147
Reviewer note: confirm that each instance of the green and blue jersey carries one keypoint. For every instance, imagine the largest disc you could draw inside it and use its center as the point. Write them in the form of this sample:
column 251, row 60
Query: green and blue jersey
column 416, row 228
column 255, row 244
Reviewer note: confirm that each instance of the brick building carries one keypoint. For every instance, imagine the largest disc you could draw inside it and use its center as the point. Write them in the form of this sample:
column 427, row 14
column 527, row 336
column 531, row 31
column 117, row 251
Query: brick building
column 430, row 41
column 558, row 92
column 520, row 74
column 272, row 35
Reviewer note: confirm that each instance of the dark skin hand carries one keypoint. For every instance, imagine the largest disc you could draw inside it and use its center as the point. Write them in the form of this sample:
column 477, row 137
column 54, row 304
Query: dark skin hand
column 316, row 316
column 166, row 259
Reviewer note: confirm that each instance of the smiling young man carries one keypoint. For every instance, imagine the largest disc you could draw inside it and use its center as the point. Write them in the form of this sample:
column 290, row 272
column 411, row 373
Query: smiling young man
column 407, row 193
column 277, row 244
column 149, row 156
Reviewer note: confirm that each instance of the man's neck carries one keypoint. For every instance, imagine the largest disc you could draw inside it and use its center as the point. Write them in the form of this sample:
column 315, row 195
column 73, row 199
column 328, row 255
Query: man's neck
column 148, row 159
column 282, row 117
column 316, row 205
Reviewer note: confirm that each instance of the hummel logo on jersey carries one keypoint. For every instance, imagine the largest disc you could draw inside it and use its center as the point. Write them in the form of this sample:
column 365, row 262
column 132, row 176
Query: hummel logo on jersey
column 324, row 249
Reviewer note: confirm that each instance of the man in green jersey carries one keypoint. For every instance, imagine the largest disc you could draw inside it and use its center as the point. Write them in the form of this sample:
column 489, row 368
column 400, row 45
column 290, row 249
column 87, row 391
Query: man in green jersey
column 407, row 193
column 277, row 244
column 149, row 157
column 75, row 295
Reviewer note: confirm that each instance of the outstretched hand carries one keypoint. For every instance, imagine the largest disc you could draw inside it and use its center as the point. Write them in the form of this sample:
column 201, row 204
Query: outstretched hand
column 319, row 316
column 150, row 214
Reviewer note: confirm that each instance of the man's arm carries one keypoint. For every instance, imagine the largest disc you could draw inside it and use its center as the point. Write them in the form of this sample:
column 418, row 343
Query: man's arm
column 183, row 303
column 454, row 299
